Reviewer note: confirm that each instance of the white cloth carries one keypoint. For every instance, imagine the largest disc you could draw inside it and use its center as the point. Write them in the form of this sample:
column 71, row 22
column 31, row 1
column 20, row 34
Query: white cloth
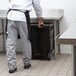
column 23, row 5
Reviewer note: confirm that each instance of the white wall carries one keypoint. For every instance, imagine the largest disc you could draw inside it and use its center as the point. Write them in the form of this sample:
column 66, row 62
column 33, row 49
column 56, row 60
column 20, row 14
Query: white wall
column 4, row 4
column 69, row 19
column 69, row 7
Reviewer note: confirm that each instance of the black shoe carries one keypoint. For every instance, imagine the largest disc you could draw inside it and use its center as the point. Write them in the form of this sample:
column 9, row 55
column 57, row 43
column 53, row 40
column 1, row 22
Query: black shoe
column 12, row 71
column 27, row 66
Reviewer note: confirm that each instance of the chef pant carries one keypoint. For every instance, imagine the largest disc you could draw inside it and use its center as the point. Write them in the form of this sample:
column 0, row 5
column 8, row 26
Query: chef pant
column 13, row 28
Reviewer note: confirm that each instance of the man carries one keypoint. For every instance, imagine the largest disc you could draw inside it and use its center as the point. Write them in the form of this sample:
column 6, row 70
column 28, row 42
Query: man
column 18, row 22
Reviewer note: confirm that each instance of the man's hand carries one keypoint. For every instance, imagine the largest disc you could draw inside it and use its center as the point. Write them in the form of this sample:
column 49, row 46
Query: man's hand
column 40, row 22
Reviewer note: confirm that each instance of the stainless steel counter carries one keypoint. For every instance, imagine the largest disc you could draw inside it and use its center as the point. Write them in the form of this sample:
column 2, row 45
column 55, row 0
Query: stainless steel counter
column 49, row 16
column 69, row 36
column 53, row 14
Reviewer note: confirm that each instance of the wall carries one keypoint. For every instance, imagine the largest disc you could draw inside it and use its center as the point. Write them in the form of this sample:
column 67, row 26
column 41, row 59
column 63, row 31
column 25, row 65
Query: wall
column 69, row 7
column 4, row 4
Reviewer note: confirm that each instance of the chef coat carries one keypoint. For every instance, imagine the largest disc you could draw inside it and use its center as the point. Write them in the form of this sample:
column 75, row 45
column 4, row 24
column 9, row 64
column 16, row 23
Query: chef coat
column 23, row 5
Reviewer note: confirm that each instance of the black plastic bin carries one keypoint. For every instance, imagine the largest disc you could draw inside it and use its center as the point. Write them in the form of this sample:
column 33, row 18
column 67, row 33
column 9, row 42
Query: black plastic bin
column 41, row 41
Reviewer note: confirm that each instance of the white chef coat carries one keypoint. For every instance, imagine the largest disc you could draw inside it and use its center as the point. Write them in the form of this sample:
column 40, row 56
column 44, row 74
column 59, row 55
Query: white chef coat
column 23, row 5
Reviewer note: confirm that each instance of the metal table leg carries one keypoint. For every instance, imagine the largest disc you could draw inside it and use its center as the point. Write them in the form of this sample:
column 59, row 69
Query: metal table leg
column 56, row 34
column 2, row 22
column 73, row 60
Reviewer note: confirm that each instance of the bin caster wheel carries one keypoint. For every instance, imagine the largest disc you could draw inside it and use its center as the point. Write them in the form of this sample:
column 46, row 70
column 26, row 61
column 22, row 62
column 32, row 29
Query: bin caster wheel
column 49, row 56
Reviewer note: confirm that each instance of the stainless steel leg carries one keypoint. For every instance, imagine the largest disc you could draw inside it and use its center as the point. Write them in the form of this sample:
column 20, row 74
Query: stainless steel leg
column 2, row 22
column 54, row 39
column 56, row 34
column 74, row 61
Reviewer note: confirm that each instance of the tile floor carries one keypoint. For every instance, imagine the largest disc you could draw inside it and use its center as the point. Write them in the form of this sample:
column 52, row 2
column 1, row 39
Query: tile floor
column 59, row 67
